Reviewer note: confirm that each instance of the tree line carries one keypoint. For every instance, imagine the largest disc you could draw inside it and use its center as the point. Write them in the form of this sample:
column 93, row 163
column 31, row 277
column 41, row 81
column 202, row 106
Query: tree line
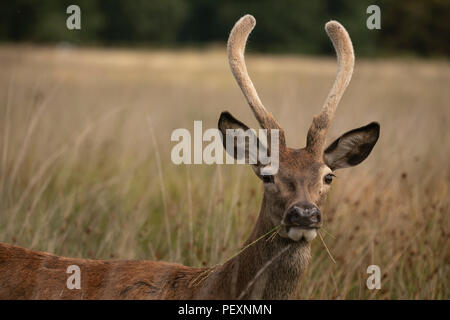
column 413, row 27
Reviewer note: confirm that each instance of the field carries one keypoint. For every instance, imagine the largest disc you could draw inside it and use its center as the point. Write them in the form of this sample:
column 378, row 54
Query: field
column 85, row 168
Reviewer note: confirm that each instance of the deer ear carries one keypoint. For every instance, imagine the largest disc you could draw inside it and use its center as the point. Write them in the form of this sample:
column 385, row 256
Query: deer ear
column 352, row 147
column 235, row 131
column 227, row 121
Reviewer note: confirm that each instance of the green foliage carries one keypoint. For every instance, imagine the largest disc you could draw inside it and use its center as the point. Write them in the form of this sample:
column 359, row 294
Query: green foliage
column 45, row 21
column 285, row 26
column 142, row 21
column 420, row 26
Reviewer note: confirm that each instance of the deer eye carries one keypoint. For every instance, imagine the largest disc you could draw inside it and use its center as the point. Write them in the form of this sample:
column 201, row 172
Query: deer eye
column 328, row 178
column 267, row 178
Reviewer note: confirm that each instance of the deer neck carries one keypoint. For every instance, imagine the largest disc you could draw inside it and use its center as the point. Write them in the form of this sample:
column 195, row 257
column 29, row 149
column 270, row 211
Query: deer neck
column 265, row 269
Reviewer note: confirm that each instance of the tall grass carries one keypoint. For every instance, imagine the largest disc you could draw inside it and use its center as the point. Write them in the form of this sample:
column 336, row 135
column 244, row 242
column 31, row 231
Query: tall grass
column 85, row 167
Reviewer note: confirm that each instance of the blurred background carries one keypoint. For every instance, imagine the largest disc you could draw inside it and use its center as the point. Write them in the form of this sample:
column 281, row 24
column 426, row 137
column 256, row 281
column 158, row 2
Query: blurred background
column 418, row 27
column 86, row 118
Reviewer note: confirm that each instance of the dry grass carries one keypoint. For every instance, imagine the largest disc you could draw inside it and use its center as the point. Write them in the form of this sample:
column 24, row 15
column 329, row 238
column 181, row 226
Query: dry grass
column 85, row 166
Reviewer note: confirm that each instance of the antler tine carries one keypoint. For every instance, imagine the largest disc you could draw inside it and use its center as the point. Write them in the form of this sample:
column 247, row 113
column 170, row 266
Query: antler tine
column 235, row 48
column 346, row 60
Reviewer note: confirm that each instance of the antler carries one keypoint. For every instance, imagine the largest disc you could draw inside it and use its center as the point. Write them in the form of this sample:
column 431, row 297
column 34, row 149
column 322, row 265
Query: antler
column 345, row 59
column 235, row 48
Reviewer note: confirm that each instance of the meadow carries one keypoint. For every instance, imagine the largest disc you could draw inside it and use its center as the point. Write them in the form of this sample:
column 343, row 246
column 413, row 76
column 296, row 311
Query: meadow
column 85, row 168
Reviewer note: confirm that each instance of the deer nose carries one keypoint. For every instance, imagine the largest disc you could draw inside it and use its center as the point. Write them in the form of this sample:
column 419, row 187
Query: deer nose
column 303, row 215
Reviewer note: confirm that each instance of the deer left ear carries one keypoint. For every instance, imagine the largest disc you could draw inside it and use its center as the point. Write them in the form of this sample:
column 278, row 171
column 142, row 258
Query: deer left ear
column 352, row 147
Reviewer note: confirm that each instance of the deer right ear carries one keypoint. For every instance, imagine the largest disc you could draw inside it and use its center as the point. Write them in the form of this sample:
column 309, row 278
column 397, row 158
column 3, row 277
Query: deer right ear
column 239, row 137
column 227, row 121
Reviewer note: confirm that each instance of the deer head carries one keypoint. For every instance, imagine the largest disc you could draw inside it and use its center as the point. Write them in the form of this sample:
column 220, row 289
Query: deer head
column 294, row 195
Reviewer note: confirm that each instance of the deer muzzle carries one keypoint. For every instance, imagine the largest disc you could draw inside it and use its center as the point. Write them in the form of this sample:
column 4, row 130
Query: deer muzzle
column 302, row 221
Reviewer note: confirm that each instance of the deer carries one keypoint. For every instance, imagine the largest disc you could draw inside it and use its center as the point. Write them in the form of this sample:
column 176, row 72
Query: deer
column 292, row 202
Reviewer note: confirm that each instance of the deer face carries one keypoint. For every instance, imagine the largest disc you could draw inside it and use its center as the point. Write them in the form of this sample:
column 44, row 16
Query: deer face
column 294, row 194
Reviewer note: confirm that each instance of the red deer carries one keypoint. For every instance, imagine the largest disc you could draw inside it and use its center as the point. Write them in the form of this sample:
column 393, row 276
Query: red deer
column 265, row 269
